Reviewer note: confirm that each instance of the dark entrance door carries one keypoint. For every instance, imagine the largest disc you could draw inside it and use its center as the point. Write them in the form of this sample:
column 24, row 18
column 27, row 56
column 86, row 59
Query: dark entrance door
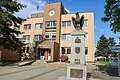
column 45, row 54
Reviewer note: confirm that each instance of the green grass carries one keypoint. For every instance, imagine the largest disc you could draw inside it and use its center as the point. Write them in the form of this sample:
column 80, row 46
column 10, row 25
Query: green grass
column 105, row 62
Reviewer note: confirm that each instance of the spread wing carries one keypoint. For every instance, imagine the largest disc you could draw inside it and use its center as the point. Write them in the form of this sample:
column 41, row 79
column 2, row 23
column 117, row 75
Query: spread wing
column 74, row 22
column 82, row 21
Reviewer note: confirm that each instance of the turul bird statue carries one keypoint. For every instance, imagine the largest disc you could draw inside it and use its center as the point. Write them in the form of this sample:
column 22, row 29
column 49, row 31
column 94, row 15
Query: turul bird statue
column 78, row 22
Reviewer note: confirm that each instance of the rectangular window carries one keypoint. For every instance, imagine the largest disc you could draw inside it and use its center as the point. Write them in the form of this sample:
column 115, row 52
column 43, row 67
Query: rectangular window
column 86, row 50
column 37, row 37
column 27, row 26
column 68, row 50
column 86, row 22
column 63, row 50
column 26, row 37
column 66, row 23
column 66, row 36
column 86, row 36
column 51, row 24
column 51, row 35
column 38, row 25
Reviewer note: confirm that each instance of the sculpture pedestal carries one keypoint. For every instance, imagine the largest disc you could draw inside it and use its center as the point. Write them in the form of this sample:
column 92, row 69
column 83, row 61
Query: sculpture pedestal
column 76, row 72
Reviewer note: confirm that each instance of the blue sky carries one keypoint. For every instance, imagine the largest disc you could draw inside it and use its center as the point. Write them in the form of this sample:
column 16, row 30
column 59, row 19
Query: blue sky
column 97, row 6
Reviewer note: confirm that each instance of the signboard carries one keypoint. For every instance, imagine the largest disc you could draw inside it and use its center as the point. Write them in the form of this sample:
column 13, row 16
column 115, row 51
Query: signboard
column 44, row 46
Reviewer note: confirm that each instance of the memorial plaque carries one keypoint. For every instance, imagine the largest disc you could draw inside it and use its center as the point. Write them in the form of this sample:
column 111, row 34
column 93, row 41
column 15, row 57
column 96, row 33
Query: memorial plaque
column 76, row 73
column 77, row 40
column 77, row 50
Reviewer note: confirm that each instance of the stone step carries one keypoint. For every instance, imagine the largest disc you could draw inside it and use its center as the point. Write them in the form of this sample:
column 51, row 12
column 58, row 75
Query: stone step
column 25, row 63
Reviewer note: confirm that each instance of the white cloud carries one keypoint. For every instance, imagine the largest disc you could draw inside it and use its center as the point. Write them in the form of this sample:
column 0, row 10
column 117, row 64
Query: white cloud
column 31, row 7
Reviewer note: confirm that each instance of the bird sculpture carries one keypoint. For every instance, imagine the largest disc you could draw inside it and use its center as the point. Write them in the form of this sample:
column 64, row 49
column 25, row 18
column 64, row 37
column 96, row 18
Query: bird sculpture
column 78, row 22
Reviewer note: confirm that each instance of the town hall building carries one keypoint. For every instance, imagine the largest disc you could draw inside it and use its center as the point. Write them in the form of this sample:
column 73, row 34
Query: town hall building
column 52, row 29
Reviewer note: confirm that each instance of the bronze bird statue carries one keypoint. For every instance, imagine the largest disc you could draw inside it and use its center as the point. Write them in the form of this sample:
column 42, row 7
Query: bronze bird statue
column 78, row 22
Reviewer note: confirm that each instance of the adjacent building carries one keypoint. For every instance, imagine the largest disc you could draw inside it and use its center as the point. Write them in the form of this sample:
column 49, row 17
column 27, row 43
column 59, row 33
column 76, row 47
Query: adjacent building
column 52, row 29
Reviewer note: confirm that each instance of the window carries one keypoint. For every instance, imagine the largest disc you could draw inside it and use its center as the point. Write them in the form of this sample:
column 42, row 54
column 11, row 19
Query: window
column 66, row 50
column 66, row 23
column 51, row 24
column 86, row 50
column 38, row 25
column 37, row 37
column 27, row 27
column 63, row 50
column 51, row 35
column 26, row 37
column 86, row 22
column 86, row 36
column 66, row 36
column 69, row 50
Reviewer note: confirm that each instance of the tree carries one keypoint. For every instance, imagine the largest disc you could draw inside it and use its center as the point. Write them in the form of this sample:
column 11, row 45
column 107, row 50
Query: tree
column 112, row 14
column 111, row 41
column 8, row 24
column 102, row 46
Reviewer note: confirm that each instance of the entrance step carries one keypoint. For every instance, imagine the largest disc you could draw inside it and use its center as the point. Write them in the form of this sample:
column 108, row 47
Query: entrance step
column 24, row 63
column 39, row 63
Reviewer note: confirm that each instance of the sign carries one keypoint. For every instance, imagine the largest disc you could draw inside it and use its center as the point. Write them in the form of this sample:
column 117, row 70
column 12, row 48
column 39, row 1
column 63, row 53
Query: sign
column 44, row 46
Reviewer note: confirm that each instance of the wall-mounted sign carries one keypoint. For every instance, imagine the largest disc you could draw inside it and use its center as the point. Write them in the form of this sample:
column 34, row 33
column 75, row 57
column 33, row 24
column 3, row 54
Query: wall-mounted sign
column 77, row 40
column 44, row 46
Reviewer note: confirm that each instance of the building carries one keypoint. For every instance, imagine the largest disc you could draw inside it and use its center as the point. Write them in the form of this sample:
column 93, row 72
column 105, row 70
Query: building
column 53, row 29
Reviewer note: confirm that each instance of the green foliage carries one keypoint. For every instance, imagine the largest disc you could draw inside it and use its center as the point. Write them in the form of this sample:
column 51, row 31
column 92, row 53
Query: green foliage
column 8, row 25
column 102, row 46
column 112, row 14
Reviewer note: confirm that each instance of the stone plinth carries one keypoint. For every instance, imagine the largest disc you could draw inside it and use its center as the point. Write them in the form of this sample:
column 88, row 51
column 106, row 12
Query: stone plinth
column 78, row 47
column 77, row 69
column 77, row 72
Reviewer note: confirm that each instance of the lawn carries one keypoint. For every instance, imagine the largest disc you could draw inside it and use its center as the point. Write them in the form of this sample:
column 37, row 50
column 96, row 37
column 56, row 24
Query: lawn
column 105, row 62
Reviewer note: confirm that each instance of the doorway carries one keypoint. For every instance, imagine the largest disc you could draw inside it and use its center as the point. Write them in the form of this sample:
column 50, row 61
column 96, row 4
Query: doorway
column 44, row 54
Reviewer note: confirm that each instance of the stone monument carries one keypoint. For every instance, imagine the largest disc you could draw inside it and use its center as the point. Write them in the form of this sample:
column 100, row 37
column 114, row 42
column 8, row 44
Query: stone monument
column 77, row 68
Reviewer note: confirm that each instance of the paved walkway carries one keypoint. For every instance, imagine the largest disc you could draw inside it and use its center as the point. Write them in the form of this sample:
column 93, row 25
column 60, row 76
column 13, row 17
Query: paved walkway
column 51, row 71
column 47, row 72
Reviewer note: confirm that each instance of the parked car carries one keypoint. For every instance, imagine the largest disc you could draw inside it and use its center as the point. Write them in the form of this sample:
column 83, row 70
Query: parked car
column 63, row 58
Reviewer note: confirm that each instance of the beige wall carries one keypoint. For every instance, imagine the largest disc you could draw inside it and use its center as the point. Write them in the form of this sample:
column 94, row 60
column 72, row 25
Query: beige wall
column 88, row 29
column 33, row 31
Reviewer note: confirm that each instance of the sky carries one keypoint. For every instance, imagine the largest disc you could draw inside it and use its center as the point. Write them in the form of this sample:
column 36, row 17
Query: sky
column 96, row 6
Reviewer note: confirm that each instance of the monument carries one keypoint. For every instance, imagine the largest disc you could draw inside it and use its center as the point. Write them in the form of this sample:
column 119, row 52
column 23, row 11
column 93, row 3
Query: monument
column 77, row 68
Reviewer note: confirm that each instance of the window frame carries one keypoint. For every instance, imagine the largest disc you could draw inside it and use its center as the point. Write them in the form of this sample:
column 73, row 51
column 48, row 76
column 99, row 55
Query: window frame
column 41, row 25
column 27, row 27
column 39, row 37
column 85, row 22
column 66, row 23
column 67, row 36
column 26, row 37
